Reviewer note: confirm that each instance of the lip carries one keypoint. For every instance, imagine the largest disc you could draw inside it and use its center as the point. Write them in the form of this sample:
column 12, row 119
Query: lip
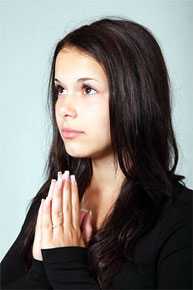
column 69, row 133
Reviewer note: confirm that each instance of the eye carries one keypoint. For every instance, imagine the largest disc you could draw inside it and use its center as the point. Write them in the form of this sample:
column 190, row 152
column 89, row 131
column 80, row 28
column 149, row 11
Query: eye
column 89, row 91
column 60, row 90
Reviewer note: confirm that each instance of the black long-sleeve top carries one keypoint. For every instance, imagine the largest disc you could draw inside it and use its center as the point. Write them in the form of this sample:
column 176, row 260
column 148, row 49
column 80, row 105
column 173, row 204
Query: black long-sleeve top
column 164, row 257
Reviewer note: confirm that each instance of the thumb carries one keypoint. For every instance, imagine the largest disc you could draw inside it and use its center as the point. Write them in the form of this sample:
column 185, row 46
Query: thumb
column 86, row 227
column 83, row 213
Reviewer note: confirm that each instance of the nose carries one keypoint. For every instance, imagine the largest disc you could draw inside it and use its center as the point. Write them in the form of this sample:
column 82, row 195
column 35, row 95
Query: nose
column 66, row 107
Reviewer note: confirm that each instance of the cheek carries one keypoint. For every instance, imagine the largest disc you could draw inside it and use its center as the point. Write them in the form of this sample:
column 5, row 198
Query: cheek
column 99, row 120
column 58, row 118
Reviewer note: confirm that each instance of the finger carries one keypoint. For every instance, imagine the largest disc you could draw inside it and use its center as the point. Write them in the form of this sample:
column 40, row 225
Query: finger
column 87, row 228
column 46, row 224
column 37, row 239
column 75, row 202
column 67, row 206
column 38, row 222
column 83, row 213
column 51, row 189
column 57, row 212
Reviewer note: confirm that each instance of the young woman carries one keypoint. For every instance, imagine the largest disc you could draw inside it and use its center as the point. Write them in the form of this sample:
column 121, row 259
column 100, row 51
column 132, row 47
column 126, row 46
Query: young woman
column 118, row 217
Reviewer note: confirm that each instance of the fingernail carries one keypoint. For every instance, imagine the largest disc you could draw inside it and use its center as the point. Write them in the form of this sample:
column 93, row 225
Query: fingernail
column 60, row 180
column 72, row 177
column 90, row 213
column 53, row 182
column 59, row 173
column 66, row 175
column 83, row 209
column 43, row 203
column 47, row 201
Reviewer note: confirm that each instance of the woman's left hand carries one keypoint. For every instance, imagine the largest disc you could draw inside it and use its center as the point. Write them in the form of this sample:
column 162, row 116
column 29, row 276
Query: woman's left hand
column 60, row 214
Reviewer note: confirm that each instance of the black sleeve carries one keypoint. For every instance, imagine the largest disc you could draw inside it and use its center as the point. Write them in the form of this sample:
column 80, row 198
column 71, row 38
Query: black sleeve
column 13, row 274
column 34, row 279
column 174, row 266
column 67, row 268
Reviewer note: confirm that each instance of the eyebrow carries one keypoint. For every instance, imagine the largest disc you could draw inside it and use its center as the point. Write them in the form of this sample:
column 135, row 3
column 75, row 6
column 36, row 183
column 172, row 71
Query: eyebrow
column 80, row 80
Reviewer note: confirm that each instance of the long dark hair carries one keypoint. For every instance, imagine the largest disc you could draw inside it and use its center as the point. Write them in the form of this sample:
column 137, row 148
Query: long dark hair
column 142, row 136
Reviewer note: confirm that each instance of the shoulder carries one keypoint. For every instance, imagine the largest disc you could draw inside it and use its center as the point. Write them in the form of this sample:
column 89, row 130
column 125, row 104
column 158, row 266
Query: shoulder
column 183, row 195
column 176, row 218
column 182, row 204
column 172, row 233
column 173, row 227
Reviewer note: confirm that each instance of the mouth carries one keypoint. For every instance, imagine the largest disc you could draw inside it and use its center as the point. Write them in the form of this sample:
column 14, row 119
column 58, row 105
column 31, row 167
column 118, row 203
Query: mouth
column 69, row 133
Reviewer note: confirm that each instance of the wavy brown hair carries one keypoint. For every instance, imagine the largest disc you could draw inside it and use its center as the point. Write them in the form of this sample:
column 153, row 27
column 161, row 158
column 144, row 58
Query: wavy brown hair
column 142, row 138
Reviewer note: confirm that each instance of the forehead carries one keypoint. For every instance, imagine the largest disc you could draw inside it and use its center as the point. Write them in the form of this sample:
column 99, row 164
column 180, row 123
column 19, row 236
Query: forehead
column 72, row 61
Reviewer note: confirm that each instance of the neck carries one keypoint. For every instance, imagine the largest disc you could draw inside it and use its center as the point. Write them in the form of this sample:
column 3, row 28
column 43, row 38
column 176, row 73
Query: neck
column 106, row 177
column 104, row 189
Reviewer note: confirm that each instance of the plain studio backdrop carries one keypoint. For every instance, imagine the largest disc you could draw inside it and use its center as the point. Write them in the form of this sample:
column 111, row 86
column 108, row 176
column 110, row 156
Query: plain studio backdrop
column 29, row 31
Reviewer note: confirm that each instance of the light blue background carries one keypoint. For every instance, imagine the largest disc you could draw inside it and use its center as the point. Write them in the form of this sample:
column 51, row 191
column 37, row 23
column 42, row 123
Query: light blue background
column 29, row 31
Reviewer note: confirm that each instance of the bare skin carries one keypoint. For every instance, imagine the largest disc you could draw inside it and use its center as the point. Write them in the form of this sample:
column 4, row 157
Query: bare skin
column 103, row 191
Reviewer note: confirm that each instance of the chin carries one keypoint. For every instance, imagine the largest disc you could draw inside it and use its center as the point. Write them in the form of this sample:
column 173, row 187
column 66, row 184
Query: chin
column 77, row 153
column 87, row 154
column 85, row 151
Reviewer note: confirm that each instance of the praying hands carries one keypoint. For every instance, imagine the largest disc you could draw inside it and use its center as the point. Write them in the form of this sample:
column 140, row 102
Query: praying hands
column 60, row 221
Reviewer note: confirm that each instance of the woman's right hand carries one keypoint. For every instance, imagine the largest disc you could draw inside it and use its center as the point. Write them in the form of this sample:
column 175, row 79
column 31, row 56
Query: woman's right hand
column 86, row 229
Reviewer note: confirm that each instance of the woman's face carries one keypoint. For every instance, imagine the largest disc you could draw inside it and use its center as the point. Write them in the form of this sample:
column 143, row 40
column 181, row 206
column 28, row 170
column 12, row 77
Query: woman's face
column 82, row 104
